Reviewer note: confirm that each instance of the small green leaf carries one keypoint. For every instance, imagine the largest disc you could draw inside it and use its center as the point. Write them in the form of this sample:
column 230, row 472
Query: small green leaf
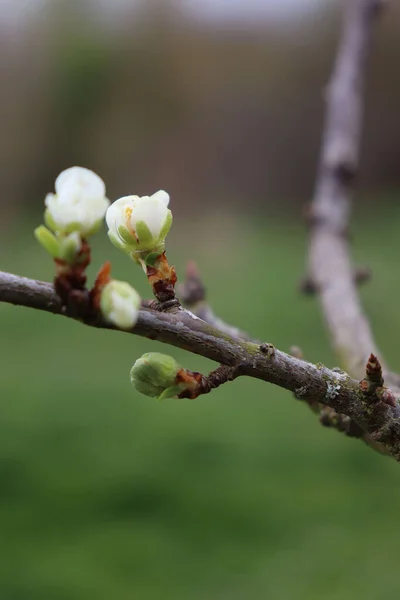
column 49, row 220
column 170, row 392
column 126, row 236
column 118, row 243
column 47, row 240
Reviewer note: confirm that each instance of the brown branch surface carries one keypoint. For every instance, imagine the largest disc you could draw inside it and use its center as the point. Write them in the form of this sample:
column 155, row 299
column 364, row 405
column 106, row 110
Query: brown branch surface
column 312, row 383
column 329, row 262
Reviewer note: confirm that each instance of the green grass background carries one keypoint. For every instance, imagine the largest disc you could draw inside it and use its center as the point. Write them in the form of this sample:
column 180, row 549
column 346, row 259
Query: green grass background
column 239, row 495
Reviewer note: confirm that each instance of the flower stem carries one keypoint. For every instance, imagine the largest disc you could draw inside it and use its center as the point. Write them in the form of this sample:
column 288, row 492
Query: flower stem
column 161, row 276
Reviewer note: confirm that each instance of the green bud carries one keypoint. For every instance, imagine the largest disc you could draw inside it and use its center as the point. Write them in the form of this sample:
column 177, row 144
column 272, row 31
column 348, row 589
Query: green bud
column 154, row 374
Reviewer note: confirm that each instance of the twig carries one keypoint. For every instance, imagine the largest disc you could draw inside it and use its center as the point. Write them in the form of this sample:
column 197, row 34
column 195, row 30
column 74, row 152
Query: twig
column 329, row 263
column 193, row 295
column 331, row 272
column 206, row 383
column 313, row 383
column 162, row 278
column 361, row 275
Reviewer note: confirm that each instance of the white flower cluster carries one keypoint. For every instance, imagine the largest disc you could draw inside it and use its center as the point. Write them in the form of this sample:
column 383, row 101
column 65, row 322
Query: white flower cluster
column 137, row 225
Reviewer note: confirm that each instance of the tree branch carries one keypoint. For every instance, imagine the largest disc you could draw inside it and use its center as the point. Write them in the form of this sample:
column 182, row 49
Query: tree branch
column 330, row 267
column 349, row 405
column 192, row 293
column 329, row 263
column 313, row 383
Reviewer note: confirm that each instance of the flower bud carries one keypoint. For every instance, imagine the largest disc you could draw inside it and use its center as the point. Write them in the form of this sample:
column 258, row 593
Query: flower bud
column 79, row 204
column 120, row 304
column 139, row 225
column 154, row 374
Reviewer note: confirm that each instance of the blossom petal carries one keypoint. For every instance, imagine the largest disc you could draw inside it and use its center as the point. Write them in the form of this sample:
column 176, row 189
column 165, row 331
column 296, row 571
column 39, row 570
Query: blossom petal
column 89, row 182
column 162, row 196
column 152, row 212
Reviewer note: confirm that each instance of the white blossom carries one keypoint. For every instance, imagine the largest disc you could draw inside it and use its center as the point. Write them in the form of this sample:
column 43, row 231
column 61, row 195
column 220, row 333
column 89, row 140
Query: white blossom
column 120, row 304
column 139, row 224
column 79, row 203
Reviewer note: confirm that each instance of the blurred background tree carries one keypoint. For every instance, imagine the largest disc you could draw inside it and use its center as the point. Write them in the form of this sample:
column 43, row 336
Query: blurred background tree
column 152, row 95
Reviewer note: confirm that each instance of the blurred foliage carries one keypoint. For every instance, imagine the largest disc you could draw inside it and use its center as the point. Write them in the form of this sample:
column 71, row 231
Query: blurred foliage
column 155, row 100
column 239, row 494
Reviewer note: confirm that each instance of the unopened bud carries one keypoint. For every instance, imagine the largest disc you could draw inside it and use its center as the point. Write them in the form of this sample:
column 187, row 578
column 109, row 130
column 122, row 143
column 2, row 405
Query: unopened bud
column 79, row 204
column 120, row 304
column 160, row 376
